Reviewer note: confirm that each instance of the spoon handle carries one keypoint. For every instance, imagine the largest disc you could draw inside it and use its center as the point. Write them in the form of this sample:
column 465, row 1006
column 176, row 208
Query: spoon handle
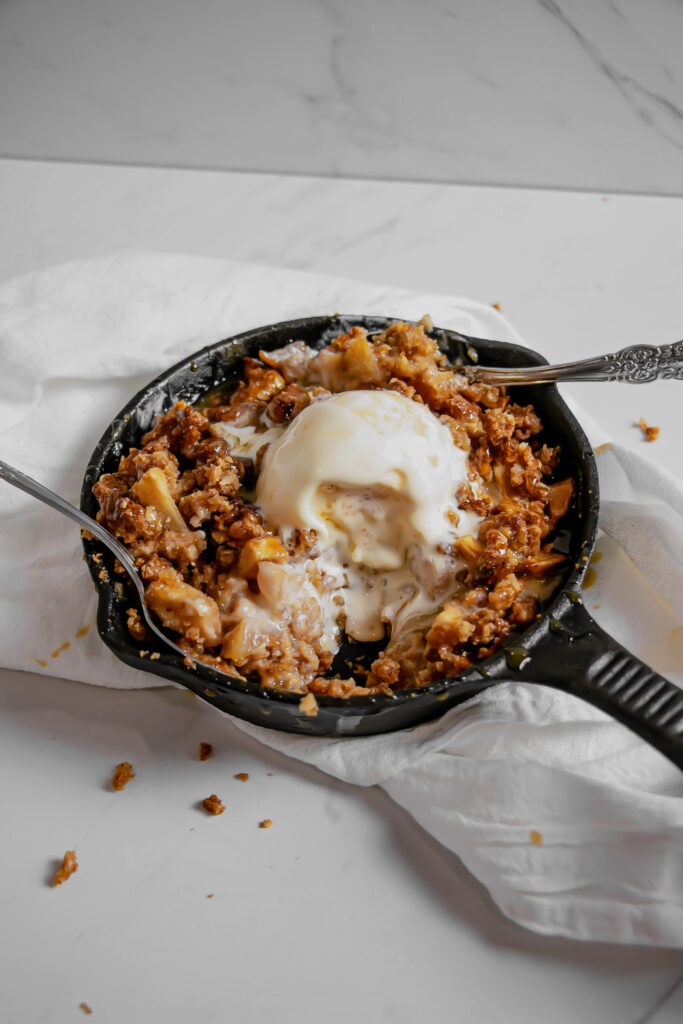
column 30, row 486
column 26, row 483
column 637, row 364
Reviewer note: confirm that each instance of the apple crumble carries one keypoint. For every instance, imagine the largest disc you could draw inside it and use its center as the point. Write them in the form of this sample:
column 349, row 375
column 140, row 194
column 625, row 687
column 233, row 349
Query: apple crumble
column 368, row 490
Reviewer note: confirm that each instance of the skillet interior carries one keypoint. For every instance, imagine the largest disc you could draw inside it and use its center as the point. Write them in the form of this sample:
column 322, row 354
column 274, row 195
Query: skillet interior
column 218, row 366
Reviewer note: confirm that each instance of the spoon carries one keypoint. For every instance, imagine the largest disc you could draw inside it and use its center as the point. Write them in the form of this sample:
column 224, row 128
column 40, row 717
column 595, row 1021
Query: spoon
column 48, row 497
column 638, row 364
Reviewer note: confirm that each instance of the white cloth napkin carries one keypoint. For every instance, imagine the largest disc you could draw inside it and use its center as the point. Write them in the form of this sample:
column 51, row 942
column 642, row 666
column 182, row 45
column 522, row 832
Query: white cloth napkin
column 573, row 824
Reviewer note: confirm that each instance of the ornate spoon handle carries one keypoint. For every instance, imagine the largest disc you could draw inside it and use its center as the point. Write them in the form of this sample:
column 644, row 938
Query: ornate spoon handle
column 30, row 486
column 638, row 364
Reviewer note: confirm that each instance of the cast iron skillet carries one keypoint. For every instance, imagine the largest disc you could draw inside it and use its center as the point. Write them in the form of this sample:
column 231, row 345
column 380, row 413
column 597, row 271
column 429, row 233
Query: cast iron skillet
column 565, row 648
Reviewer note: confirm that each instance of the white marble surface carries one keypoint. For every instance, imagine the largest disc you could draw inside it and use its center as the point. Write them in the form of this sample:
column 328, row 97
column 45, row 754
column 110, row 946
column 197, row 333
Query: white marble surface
column 552, row 93
column 344, row 907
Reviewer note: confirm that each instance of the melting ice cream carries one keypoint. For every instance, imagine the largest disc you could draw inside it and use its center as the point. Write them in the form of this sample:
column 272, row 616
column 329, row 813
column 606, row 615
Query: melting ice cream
column 375, row 474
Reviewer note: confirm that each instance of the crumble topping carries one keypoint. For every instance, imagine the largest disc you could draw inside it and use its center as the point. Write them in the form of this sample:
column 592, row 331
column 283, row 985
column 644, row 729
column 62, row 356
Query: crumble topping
column 309, row 705
column 268, row 604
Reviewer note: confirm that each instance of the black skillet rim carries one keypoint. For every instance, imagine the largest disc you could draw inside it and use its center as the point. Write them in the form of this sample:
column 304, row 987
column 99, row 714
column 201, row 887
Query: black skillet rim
column 202, row 678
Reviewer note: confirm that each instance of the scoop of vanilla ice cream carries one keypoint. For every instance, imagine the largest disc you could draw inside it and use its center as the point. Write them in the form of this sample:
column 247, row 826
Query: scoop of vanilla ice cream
column 371, row 471
column 375, row 475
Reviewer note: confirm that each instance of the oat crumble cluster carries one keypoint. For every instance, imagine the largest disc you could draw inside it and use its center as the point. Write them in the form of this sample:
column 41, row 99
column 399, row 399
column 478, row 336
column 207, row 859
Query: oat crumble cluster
column 213, row 805
column 123, row 773
column 66, row 869
column 216, row 573
column 649, row 433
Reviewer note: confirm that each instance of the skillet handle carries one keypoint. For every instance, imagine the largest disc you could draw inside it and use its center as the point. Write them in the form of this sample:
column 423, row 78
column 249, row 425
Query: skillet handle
column 576, row 655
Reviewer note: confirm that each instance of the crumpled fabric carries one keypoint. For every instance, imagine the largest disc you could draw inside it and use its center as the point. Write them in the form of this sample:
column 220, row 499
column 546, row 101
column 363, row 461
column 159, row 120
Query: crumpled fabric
column 573, row 823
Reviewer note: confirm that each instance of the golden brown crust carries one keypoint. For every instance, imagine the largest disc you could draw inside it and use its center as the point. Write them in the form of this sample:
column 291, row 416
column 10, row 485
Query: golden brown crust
column 205, row 751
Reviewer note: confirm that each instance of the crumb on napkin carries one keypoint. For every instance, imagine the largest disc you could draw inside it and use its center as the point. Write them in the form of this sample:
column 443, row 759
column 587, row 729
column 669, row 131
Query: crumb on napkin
column 205, row 751
column 86, row 1009
column 242, row 776
column 536, row 837
column 68, row 866
column 266, row 823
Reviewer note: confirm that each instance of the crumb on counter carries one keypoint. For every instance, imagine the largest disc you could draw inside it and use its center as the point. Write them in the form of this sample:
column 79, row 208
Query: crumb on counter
column 86, row 1009
column 309, row 705
column 67, row 868
column 212, row 805
column 650, row 433
column 209, row 896
column 205, row 751
column 242, row 776
column 266, row 823
column 123, row 773
column 496, row 305
column 536, row 838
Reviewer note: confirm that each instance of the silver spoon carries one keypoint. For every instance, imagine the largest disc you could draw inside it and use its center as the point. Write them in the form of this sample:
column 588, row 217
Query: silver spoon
column 638, row 364
column 48, row 497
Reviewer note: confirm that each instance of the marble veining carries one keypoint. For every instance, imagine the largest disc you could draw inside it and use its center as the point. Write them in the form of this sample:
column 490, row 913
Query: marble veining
column 544, row 93
column 654, row 110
